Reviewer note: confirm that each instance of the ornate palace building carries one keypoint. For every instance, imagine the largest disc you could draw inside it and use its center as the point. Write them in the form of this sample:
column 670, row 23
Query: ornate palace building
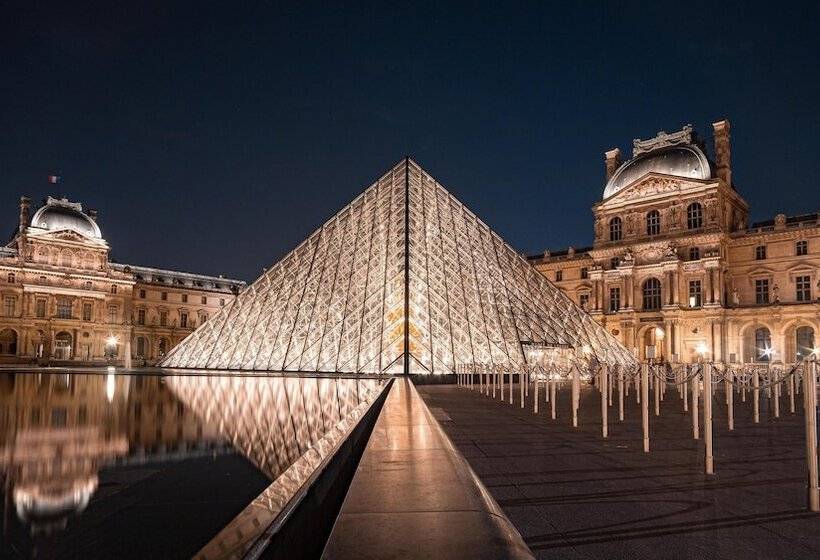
column 64, row 301
column 675, row 271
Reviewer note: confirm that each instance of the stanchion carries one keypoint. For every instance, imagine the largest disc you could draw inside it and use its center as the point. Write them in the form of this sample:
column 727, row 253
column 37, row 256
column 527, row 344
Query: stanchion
column 810, row 410
column 791, row 392
column 694, row 404
column 620, row 393
column 604, row 401
column 576, row 390
column 552, row 396
column 521, row 383
column 685, row 389
column 535, row 394
column 657, row 390
column 609, row 386
column 707, row 418
column 501, row 385
column 756, row 384
column 645, row 405
column 730, row 398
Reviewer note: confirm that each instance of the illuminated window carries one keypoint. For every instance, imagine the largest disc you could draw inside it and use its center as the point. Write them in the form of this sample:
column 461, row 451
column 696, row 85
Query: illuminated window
column 762, row 291
column 614, row 299
column 615, row 232
column 760, row 253
column 803, row 287
column 763, row 344
column 63, row 308
column 9, row 303
column 652, row 294
column 695, row 294
column 694, row 216
column 653, row 223
column 801, row 248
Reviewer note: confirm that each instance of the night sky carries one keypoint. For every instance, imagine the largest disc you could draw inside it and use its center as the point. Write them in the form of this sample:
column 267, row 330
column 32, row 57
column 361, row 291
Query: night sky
column 214, row 139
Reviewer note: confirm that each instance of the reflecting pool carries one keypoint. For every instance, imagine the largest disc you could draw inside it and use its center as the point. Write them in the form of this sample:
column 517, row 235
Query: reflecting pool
column 114, row 466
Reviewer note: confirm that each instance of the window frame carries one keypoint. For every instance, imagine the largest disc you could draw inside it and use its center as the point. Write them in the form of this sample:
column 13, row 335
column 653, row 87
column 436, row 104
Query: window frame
column 694, row 216
column 653, row 223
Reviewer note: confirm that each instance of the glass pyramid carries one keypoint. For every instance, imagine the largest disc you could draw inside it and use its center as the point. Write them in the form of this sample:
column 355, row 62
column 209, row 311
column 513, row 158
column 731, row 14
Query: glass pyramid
column 405, row 279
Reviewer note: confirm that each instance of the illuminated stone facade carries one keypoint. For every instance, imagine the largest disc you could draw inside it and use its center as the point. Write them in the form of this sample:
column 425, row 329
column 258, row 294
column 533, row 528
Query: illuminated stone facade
column 64, row 301
column 675, row 271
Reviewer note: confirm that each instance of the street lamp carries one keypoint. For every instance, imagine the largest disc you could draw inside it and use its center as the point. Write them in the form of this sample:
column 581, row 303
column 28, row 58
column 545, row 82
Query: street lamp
column 702, row 349
column 111, row 346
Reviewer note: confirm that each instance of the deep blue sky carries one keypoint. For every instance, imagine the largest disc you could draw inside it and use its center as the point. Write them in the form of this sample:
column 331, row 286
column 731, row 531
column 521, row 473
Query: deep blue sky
column 214, row 139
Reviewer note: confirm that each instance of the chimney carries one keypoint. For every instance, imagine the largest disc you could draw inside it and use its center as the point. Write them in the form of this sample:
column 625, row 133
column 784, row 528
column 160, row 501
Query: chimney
column 723, row 151
column 92, row 214
column 24, row 206
column 613, row 161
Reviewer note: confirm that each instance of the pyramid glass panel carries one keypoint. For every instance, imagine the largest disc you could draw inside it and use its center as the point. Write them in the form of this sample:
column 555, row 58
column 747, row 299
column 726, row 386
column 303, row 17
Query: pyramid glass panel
column 405, row 279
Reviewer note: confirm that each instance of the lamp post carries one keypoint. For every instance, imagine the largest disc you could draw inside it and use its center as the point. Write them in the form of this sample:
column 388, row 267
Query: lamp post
column 111, row 347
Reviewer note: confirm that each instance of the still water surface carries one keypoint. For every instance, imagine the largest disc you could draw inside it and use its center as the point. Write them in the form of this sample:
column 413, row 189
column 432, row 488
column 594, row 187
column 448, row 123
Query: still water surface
column 116, row 466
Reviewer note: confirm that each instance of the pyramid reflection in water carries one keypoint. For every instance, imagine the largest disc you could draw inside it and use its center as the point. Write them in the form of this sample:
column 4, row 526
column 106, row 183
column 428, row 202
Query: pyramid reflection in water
column 404, row 279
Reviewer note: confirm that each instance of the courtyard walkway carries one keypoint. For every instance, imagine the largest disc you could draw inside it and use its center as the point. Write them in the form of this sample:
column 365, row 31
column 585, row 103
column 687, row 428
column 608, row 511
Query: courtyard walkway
column 572, row 494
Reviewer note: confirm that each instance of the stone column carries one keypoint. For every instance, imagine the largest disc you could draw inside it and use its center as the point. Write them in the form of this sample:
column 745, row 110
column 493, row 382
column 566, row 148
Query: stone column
column 723, row 152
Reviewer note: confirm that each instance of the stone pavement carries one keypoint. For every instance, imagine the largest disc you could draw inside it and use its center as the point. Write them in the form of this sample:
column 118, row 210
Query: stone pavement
column 572, row 494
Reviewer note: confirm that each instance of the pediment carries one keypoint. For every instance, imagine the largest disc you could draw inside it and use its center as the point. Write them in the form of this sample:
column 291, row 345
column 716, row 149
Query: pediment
column 653, row 186
column 68, row 235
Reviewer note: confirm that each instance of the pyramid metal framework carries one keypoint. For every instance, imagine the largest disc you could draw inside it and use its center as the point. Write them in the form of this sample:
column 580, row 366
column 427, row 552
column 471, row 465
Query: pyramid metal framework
column 405, row 279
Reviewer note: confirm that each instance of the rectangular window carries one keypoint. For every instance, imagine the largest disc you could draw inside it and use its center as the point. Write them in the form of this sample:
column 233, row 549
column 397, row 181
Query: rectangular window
column 163, row 318
column 614, row 262
column 142, row 294
column 584, row 273
column 559, row 275
column 140, row 316
column 40, row 309
column 9, row 305
column 64, row 308
column 762, row 291
column 801, row 248
column 184, row 298
column 183, row 320
column 204, row 300
column 614, row 299
column 760, row 253
column 584, row 301
column 86, row 312
column 695, row 294
column 164, row 296
column 222, row 302
column 803, row 285
column 112, row 313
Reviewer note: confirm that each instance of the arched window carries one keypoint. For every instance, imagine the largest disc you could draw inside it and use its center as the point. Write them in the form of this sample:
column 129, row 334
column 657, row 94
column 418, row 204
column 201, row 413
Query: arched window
column 651, row 294
column 163, row 346
column 66, row 259
column 11, row 278
column 8, row 342
column 653, row 223
column 694, row 216
column 694, row 253
column 113, row 288
column 615, row 233
column 140, row 346
column 805, row 342
column 763, row 344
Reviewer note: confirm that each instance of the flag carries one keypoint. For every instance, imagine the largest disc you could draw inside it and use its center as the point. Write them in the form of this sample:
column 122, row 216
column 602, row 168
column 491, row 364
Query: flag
column 53, row 179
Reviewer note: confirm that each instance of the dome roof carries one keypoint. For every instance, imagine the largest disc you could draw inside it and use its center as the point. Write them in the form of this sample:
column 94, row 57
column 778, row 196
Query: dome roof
column 61, row 214
column 682, row 161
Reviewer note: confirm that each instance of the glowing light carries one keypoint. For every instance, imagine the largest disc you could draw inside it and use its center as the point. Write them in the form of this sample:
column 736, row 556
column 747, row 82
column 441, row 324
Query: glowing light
column 768, row 352
column 692, row 301
column 586, row 349
column 702, row 349
column 112, row 341
column 659, row 334
column 110, row 386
